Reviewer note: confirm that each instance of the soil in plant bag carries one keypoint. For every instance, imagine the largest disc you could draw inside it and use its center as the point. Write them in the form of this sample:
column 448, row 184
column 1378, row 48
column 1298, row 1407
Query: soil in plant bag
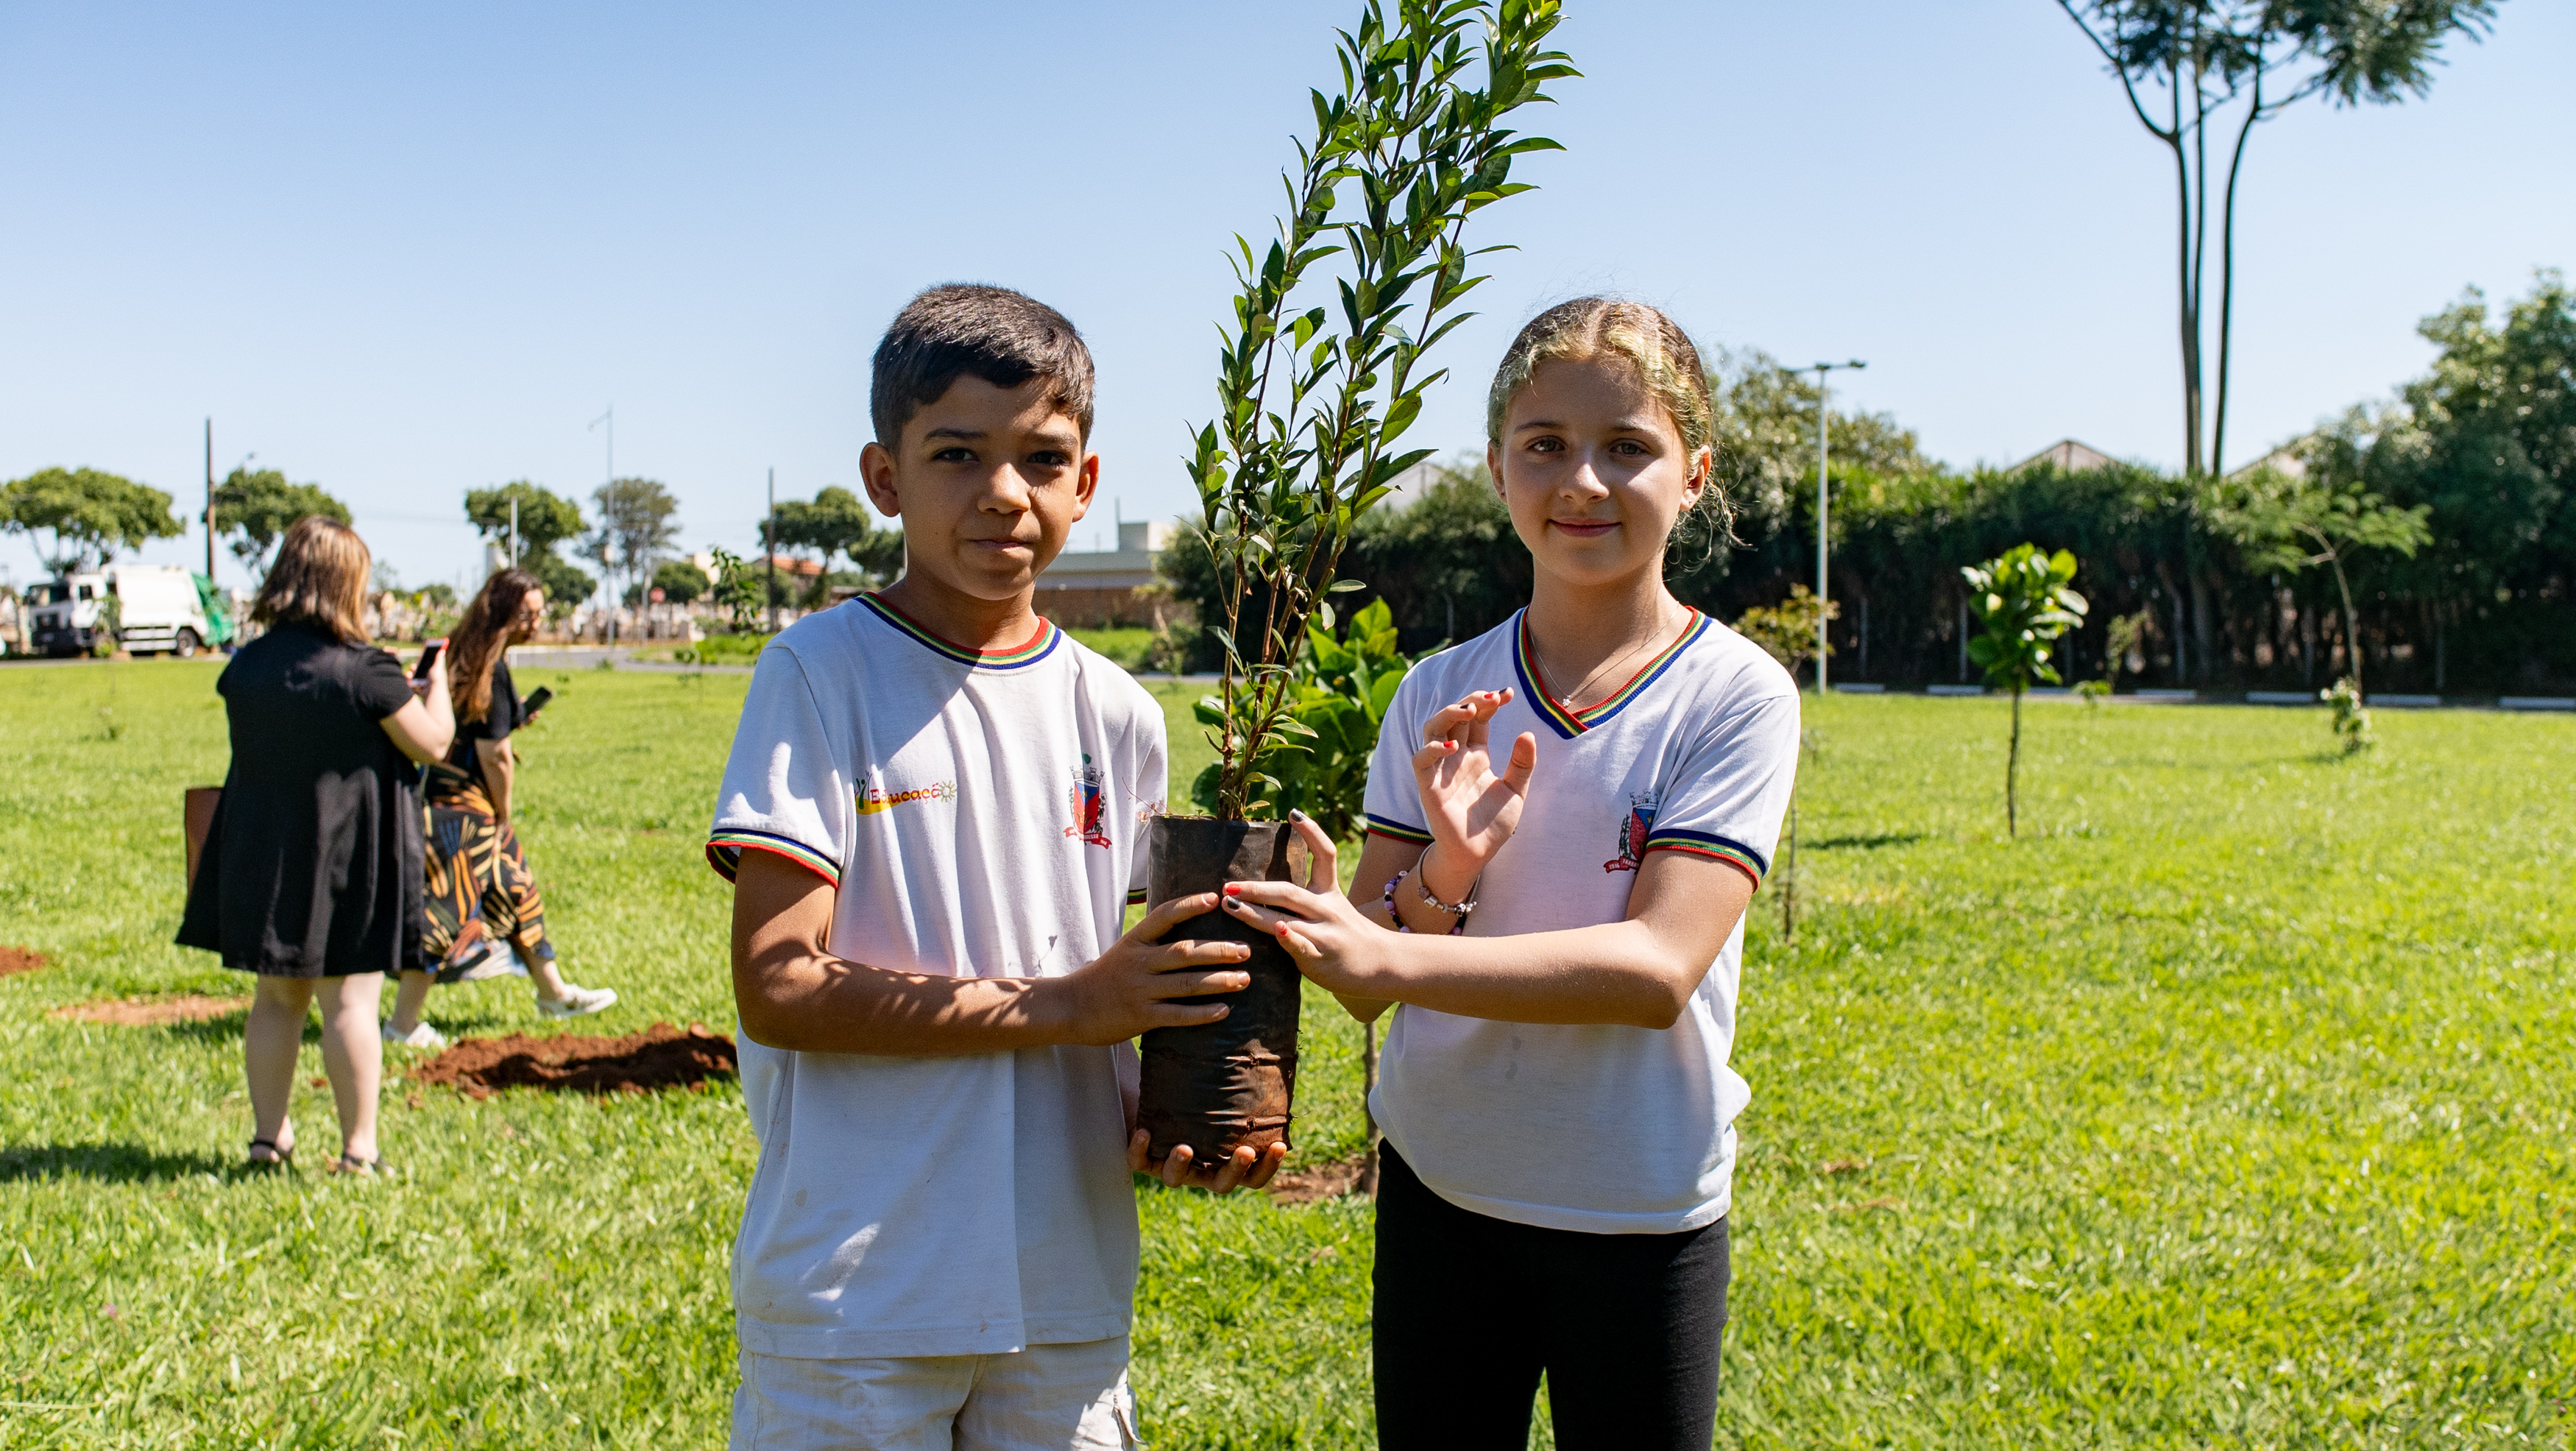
column 659, row 1057
column 1221, row 1085
column 19, row 959
column 153, row 1012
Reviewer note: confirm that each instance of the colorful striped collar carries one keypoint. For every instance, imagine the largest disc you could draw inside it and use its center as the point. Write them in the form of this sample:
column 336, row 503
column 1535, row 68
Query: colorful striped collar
column 1569, row 722
column 1040, row 645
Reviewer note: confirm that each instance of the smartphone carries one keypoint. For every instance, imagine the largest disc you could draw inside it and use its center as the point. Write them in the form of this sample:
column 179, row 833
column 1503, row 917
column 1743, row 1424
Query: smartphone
column 536, row 700
column 428, row 659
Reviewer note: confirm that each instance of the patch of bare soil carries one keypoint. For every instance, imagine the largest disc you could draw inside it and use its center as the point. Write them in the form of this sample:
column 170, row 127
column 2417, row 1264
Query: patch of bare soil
column 19, row 959
column 1317, row 1182
column 153, row 1012
column 659, row 1057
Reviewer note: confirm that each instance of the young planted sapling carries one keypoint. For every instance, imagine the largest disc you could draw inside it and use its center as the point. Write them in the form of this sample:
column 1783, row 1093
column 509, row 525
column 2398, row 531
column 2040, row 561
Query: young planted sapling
column 1321, row 373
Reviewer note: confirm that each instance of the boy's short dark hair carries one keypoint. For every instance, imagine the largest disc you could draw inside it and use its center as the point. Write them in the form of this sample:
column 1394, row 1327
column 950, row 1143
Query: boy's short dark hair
column 1005, row 338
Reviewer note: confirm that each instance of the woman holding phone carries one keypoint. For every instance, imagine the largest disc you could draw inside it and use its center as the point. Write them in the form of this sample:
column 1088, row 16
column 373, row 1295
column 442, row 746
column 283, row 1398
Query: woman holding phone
column 485, row 917
column 311, row 877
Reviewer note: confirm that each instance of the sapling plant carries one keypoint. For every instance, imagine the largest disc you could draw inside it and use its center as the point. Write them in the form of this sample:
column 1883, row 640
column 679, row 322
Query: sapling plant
column 2119, row 641
column 2351, row 717
column 1313, row 399
column 2021, row 599
column 1320, row 374
column 1789, row 632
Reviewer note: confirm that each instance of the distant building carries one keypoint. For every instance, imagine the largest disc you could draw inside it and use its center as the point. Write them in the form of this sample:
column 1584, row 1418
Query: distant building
column 2069, row 456
column 2284, row 461
column 1409, row 486
column 1102, row 586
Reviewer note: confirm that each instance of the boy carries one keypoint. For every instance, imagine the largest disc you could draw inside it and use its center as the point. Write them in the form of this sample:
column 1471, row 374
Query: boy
column 934, row 816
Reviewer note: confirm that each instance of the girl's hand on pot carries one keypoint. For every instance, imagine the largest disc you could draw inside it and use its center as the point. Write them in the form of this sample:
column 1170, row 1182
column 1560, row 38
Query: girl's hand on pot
column 1470, row 810
column 1247, row 1168
column 1328, row 938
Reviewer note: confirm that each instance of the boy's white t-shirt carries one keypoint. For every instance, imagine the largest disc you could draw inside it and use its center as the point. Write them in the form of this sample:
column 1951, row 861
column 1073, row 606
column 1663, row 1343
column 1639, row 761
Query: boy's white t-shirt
column 1600, row 1128
column 982, row 816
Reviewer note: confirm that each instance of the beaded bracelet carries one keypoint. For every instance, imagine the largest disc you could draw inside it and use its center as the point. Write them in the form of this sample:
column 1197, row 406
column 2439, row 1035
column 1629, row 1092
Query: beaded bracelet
column 1398, row 917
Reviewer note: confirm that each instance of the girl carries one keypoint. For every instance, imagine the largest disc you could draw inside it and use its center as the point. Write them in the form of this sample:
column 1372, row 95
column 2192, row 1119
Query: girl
column 1555, row 1093
column 482, row 899
column 312, row 869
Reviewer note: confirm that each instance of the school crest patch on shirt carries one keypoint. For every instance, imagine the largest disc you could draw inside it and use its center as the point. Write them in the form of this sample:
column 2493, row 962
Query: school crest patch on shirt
column 1086, row 802
column 1634, row 828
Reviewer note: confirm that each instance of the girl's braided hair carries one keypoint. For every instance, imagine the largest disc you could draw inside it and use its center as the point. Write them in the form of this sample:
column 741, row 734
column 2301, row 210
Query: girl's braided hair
column 1665, row 359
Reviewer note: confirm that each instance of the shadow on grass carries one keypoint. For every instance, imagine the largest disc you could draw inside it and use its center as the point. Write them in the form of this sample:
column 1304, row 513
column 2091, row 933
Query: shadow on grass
column 228, row 1028
column 106, row 1163
column 1865, row 843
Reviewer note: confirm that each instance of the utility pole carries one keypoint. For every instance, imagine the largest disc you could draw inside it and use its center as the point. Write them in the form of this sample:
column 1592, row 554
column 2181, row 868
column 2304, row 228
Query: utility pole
column 210, row 501
column 1823, row 413
column 769, row 549
column 514, row 533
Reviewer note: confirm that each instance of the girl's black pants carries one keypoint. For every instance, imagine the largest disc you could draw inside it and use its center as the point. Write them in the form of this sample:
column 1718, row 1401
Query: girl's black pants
column 1471, row 1310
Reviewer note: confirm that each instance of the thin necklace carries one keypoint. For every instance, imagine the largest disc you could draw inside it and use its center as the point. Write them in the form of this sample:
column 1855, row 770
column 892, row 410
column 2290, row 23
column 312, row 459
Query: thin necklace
column 1571, row 698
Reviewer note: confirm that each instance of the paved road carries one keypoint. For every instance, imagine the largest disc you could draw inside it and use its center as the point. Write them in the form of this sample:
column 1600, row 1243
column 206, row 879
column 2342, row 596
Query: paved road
column 590, row 657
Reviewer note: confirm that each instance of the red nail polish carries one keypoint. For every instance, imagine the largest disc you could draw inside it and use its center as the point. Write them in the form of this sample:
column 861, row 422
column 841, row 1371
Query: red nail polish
column 1232, row 890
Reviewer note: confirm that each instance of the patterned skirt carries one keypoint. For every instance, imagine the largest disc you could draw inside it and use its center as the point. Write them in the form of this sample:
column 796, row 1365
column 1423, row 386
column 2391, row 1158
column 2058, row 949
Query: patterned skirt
column 480, row 889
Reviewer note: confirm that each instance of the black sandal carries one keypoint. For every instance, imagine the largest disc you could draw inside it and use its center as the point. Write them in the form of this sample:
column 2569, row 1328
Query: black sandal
column 361, row 1168
column 278, row 1158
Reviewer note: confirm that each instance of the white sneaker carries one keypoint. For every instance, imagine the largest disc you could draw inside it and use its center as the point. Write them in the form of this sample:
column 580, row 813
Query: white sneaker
column 577, row 1002
column 501, row 961
column 421, row 1036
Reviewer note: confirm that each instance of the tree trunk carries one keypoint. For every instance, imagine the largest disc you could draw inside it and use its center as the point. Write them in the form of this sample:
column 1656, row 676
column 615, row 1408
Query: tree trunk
column 2203, row 637
column 2227, row 275
column 2012, row 771
column 1368, row 1117
column 1789, row 875
column 2351, row 625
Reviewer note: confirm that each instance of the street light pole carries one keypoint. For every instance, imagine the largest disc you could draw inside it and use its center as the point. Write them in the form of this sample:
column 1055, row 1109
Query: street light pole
column 769, row 549
column 210, row 502
column 1823, row 412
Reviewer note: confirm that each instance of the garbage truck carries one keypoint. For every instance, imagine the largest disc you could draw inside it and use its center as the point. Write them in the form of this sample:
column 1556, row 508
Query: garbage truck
column 149, row 609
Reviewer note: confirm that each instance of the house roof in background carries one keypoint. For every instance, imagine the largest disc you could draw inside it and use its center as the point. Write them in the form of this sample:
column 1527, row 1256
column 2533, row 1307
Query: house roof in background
column 2068, row 454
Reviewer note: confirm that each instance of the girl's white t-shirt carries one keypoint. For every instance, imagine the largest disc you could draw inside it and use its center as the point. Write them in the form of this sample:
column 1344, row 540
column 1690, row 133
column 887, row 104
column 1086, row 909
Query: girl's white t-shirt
column 1605, row 1129
column 983, row 815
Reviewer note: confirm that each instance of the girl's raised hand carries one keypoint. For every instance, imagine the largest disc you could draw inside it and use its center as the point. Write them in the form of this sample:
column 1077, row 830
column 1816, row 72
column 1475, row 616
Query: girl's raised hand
column 1470, row 810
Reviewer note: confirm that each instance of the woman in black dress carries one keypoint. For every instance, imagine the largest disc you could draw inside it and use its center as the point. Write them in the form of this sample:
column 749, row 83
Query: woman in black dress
column 486, row 917
column 312, row 869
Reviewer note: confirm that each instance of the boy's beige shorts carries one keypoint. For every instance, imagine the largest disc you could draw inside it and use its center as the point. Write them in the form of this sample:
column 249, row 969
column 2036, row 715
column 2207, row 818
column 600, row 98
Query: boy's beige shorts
column 1042, row 1398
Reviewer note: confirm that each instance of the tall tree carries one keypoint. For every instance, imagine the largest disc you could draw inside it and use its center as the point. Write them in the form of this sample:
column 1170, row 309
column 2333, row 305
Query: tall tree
column 635, row 527
column 2188, row 66
column 1766, row 439
column 2288, row 523
column 258, row 506
column 545, row 519
column 86, row 515
column 838, row 522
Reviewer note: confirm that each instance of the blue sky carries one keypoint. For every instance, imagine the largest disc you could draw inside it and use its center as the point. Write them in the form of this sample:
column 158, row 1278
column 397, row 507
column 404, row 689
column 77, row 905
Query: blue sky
column 406, row 252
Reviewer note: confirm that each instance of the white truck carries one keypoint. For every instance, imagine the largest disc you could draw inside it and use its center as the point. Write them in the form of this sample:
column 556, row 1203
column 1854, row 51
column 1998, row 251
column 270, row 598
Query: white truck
column 159, row 609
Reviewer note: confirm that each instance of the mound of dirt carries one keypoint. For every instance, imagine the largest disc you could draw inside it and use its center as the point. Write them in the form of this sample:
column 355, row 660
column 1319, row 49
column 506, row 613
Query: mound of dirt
column 19, row 959
column 153, row 1012
column 1316, row 1182
column 659, row 1057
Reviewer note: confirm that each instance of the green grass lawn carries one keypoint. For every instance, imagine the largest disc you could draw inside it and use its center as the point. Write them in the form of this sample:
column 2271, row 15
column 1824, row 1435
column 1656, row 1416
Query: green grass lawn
column 2228, row 1106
